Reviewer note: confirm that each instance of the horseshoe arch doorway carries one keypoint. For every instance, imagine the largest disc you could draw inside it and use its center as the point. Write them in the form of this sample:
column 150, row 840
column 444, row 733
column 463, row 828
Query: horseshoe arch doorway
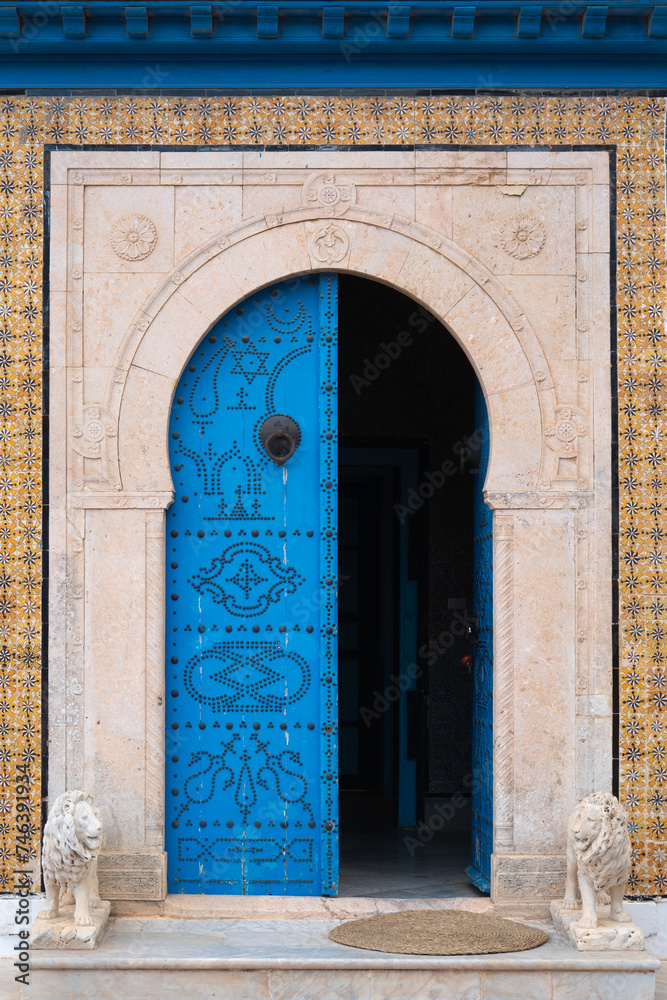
column 278, row 548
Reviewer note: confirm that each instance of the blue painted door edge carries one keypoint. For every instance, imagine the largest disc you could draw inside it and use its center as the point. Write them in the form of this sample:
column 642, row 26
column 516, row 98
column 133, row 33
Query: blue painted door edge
column 251, row 626
column 479, row 870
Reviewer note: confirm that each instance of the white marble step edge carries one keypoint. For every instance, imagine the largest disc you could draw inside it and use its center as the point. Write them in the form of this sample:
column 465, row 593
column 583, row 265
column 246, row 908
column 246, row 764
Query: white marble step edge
column 650, row 915
column 178, row 945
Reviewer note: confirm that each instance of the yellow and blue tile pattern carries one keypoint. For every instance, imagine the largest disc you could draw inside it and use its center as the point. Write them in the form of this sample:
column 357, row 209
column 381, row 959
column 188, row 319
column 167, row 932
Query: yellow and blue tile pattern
column 633, row 125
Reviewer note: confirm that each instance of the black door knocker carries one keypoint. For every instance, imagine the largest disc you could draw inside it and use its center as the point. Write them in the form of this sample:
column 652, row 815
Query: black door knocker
column 279, row 436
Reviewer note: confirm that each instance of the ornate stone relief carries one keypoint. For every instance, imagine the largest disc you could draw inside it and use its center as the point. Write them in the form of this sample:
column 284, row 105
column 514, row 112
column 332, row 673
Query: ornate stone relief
column 566, row 462
column 324, row 195
column 132, row 876
column 598, row 863
column 88, row 437
column 330, row 244
column 133, row 237
column 327, row 226
column 105, row 500
column 327, row 195
column 95, row 438
column 154, row 689
column 503, row 596
column 74, row 916
column 536, row 501
column 564, row 436
column 523, row 237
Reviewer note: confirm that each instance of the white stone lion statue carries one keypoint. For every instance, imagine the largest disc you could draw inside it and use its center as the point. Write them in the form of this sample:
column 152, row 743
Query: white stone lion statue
column 72, row 841
column 598, row 851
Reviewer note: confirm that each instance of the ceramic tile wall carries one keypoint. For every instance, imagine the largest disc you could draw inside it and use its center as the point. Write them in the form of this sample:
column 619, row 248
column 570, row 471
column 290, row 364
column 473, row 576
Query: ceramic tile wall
column 633, row 126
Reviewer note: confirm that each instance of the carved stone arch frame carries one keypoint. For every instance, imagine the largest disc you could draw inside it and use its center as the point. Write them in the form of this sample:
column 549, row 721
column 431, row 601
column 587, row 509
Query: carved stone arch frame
column 548, row 479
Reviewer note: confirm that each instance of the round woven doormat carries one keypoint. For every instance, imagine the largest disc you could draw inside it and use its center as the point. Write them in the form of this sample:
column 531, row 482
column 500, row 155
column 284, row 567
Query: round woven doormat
column 438, row 932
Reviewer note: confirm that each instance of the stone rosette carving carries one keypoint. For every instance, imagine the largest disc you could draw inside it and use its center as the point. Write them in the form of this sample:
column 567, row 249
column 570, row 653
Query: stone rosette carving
column 564, row 434
column 89, row 435
column 523, row 237
column 599, row 861
column 328, row 195
column 74, row 916
column 330, row 244
column 133, row 237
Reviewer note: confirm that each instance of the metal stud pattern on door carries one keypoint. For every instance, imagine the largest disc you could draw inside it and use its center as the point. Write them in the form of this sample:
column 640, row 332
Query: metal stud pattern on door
column 482, row 734
column 251, row 706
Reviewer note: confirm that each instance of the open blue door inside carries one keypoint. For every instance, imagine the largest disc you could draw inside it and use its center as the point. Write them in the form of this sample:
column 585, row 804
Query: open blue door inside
column 479, row 871
column 251, row 704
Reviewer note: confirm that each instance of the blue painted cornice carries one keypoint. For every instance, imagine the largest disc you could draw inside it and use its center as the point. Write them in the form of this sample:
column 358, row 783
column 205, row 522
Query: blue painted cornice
column 179, row 45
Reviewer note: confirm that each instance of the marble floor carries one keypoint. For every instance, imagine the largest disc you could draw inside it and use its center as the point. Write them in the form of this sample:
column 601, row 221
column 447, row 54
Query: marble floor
column 661, row 983
column 158, row 959
column 379, row 860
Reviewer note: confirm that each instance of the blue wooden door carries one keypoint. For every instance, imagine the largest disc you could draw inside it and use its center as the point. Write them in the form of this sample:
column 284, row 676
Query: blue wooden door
column 482, row 734
column 251, row 706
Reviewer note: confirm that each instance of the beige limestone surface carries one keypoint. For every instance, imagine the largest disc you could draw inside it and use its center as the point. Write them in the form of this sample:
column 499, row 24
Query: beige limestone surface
column 62, row 932
column 290, row 960
column 609, row 935
column 525, row 293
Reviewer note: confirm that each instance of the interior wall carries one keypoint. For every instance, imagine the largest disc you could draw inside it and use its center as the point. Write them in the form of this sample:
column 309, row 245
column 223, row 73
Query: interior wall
column 403, row 378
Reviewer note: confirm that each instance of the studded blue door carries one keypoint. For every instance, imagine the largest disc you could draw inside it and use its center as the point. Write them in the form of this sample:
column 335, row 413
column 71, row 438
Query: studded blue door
column 251, row 707
column 482, row 734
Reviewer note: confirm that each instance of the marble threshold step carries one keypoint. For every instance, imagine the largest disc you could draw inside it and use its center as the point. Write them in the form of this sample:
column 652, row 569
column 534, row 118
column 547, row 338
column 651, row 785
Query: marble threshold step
column 195, row 906
column 168, row 958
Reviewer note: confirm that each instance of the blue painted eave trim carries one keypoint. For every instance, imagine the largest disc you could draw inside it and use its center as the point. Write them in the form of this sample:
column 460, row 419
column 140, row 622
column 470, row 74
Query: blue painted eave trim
column 321, row 45
column 109, row 28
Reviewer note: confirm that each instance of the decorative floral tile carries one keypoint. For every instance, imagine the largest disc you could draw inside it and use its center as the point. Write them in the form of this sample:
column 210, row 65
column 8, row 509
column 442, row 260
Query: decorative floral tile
column 633, row 125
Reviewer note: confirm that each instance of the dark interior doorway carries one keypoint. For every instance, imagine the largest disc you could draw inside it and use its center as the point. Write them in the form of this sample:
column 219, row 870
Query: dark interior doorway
column 365, row 625
column 407, row 462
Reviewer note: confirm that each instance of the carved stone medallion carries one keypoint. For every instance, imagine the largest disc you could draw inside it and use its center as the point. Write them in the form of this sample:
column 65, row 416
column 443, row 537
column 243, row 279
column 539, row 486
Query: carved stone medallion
column 325, row 192
column 133, row 237
column 523, row 237
column 330, row 244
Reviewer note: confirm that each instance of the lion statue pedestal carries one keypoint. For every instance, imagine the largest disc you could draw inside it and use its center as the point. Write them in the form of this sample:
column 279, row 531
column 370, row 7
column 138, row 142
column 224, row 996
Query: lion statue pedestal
column 74, row 917
column 598, row 860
